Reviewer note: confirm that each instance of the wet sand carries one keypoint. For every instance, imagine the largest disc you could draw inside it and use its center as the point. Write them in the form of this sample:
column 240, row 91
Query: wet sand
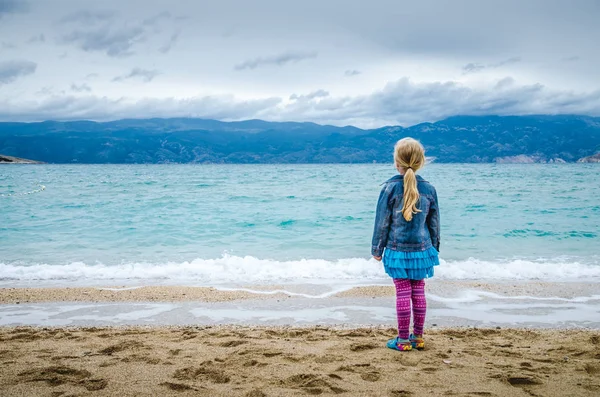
column 210, row 294
column 267, row 361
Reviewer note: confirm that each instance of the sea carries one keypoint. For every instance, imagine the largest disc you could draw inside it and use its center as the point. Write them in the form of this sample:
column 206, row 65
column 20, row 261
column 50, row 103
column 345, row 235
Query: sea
column 214, row 225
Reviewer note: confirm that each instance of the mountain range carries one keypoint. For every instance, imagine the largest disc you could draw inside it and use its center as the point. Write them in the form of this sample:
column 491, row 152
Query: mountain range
column 470, row 139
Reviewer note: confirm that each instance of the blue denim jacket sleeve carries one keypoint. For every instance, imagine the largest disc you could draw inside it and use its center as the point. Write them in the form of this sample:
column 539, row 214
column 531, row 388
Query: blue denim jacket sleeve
column 433, row 222
column 383, row 218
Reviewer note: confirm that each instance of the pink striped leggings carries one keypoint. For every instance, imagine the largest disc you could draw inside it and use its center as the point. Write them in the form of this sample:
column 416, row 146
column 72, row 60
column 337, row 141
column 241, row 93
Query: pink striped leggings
column 407, row 291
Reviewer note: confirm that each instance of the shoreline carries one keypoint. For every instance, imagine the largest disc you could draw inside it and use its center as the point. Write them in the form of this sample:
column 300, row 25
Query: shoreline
column 450, row 304
column 288, row 361
column 189, row 293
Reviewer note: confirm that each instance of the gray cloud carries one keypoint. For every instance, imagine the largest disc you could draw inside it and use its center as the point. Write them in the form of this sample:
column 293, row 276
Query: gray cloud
column 350, row 73
column 45, row 91
column 101, row 31
column 138, row 73
column 477, row 67
column 12, row 70
column 278, row 60
column 12, row 6
column 115, row 42
column 8, row 46
column 165, row 15
column 473, row 67
column 405, row 102
column 38, row 38
column 401, row 102
column 312, row 95
column 508, row 61
column 101, row 108
column 81, row 88
column 86, row 17
column 505, row 83
column 169, row 45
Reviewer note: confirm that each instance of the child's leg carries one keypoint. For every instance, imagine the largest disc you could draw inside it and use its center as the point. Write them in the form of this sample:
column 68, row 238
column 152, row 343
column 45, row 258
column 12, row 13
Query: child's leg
column 403, row 292
column 419, row 305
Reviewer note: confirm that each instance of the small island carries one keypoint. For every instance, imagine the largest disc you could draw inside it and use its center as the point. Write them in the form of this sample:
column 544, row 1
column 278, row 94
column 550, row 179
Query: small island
column 16, row 160
column 590, row 159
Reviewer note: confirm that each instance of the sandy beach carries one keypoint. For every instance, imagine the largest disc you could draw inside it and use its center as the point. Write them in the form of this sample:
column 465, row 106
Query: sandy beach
column 268, row 361
column 290, row 355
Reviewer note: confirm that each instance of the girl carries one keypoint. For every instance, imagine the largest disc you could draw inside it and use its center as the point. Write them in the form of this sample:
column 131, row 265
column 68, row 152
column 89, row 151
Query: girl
column 407, row 236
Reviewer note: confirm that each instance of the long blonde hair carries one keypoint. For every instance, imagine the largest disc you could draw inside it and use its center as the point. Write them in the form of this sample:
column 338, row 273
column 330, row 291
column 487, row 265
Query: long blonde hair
column 409, row 155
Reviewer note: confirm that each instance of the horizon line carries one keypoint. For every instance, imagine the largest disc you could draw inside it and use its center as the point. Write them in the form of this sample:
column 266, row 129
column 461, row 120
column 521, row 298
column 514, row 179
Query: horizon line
column 297, row 122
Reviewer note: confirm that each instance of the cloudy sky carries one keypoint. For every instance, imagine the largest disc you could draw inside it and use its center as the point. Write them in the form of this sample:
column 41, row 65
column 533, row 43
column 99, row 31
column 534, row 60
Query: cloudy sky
column 366, row 63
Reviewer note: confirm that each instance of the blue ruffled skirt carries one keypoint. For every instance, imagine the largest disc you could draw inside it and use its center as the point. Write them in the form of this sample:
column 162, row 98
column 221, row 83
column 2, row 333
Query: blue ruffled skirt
column 411, row 265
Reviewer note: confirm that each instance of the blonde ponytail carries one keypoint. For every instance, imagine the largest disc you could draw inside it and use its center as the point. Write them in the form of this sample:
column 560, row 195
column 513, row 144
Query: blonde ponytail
column 409, row 156
column 411, row 195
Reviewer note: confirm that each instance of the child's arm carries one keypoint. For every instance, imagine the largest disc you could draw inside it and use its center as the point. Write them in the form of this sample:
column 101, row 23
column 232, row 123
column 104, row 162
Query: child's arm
column 433, row 222
column 383, row 219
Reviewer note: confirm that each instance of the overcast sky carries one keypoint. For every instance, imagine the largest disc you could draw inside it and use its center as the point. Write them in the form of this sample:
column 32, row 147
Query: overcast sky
column 365, row 63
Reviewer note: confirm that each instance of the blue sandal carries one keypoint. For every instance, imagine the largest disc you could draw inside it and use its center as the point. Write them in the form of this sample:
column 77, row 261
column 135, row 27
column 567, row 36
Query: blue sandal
column 399, row 344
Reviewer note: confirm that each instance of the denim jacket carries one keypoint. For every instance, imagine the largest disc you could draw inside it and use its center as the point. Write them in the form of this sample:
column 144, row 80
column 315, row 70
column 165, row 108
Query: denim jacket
column 393, row 231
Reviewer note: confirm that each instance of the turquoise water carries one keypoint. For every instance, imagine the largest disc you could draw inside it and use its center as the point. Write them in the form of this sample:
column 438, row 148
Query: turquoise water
column 219, row 223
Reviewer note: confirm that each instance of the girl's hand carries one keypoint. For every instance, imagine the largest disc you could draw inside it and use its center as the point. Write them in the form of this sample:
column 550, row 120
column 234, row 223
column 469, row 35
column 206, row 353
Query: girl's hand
column 377, row 258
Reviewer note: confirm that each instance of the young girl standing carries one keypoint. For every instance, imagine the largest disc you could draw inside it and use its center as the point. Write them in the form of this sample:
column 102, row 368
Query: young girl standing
column 407, row 237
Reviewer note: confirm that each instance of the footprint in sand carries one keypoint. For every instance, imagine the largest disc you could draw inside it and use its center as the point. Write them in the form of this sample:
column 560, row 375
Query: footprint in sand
column 328, row 359
column 272, row 354
column 400, row 393
column 232, row 343
column 353, row 367
column 522, row 381
column 254, row 363
column 359, row 347
column 255, row 393
column 58, row 375
column 187, row 335
column 25, row 336
column 122, row 346
column 206, row 371
column 178, row 386
column 262, row 352
column 311, row 384
column 371, row 376
column 141, row 359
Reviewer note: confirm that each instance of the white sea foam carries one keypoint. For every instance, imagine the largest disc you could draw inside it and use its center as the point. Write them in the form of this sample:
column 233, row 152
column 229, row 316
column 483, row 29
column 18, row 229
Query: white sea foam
column 471, row 296
column 290, row 293
column 558, row 269
column 235, row 269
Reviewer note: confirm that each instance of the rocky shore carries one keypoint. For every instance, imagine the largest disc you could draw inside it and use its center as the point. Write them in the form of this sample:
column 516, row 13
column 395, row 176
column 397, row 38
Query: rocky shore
column 590, row 159
column 16, row 160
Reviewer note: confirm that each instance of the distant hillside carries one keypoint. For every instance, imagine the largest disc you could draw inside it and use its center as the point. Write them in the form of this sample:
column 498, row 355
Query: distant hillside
column 520, row 139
